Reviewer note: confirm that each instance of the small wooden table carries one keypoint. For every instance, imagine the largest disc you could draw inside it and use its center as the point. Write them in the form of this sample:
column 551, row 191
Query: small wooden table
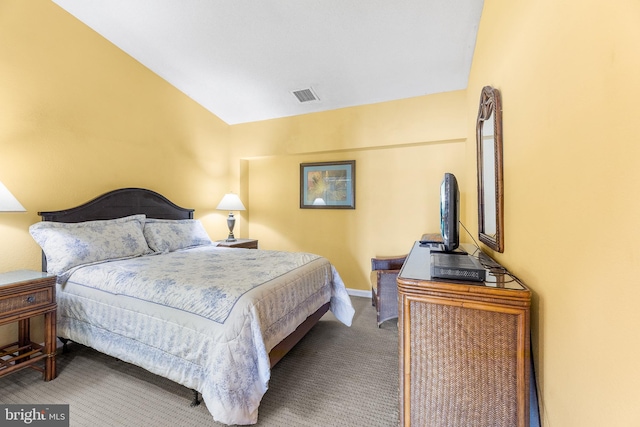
column 239, row 243
column 23, row 295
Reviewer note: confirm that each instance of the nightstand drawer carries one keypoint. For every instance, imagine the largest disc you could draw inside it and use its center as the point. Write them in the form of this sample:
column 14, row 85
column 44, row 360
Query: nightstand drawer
column 25, row 301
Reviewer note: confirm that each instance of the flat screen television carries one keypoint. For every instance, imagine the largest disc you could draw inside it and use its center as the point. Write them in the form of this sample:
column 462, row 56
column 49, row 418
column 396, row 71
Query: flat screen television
column 449, row 212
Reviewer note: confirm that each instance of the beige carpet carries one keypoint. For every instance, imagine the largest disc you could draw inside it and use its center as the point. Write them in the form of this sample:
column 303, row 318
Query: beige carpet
column 336, row 376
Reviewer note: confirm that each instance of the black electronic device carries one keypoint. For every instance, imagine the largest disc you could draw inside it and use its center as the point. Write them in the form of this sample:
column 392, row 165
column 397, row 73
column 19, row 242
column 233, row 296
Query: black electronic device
column 449, row 212
column 457, row 267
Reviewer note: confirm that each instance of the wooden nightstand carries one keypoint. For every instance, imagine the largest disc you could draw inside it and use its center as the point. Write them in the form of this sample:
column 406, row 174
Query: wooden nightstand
column 239, row 243
column 23, row 295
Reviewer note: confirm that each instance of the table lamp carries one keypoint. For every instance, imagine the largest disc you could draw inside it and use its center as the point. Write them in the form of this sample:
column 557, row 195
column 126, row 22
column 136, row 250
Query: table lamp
column 231, row 202
column 8, row 203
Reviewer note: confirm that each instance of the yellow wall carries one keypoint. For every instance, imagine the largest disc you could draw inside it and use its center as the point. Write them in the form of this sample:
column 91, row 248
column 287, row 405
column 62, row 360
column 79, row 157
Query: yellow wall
column 401, row 149
column 569, row 74
column 79, row 117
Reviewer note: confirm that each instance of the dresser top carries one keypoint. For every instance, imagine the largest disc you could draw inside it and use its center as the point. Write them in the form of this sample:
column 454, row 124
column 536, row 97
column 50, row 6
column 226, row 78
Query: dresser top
column 418, row 267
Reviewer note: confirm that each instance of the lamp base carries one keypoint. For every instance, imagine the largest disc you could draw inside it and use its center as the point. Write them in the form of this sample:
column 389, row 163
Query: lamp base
column 231, row 222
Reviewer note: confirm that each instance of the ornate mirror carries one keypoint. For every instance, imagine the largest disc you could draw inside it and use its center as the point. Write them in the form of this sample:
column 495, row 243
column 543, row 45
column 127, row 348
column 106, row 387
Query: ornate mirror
column 490, row 186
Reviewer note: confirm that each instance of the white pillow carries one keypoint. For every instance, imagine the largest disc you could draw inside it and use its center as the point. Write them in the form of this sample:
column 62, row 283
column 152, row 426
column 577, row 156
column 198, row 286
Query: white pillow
column 167, row 235
column 68, row 245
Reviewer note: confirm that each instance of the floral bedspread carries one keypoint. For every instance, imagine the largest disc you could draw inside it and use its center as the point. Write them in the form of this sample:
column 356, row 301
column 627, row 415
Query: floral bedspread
column 205, row 317
column 201, row 281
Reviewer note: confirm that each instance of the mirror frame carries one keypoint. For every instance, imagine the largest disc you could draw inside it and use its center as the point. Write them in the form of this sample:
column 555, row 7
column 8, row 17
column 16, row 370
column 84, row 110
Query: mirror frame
column 490, row 104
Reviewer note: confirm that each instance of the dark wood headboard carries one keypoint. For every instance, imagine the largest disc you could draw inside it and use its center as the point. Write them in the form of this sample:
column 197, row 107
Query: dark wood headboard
column 117, row 204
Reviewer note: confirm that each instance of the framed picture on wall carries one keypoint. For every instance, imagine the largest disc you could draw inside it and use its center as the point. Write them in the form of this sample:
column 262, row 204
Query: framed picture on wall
column 328, row 185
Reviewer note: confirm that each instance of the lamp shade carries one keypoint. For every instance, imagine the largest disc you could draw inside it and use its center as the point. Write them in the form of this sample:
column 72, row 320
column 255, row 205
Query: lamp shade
column 230, row 202
column 8, row 203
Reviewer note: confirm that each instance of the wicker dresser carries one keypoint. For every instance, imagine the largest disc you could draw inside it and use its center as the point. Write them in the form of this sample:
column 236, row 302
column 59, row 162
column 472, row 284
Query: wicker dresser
column 464, row 347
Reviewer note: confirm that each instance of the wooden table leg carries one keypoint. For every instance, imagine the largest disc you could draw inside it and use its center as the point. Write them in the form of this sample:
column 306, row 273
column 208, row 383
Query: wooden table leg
column 50, row 368
column 24, row 334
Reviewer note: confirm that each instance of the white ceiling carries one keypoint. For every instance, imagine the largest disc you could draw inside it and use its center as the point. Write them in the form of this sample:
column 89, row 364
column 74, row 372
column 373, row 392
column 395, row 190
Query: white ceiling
column 242, row 59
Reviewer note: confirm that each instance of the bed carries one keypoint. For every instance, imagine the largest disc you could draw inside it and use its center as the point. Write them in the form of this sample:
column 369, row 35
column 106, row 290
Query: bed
column 140, row 280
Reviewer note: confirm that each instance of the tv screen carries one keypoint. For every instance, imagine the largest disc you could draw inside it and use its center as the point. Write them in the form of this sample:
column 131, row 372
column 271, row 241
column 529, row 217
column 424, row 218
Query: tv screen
column 449, row 212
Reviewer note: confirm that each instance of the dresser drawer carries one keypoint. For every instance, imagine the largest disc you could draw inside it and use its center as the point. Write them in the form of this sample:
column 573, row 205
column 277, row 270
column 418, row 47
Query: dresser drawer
column 26, row 301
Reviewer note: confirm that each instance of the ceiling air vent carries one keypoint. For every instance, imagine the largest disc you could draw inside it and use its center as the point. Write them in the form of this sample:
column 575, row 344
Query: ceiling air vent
column 305, row 95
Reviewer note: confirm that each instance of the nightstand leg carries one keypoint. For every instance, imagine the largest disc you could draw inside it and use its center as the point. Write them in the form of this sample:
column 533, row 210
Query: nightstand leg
column 50, row 369
column 24, row 334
